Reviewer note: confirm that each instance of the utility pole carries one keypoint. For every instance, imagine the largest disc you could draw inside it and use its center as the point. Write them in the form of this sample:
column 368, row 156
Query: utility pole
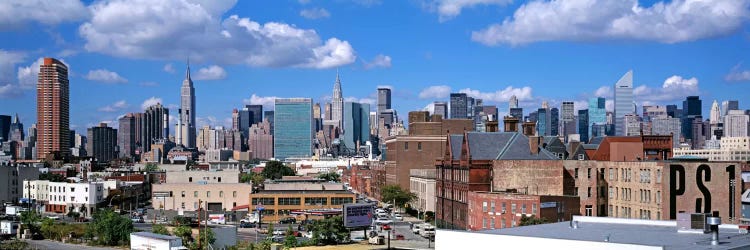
column 200, row 204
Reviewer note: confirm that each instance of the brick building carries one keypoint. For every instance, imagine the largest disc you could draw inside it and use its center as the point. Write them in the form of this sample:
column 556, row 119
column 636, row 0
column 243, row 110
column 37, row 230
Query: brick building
column 491, row 210
column 630, row 148
column 367, row 179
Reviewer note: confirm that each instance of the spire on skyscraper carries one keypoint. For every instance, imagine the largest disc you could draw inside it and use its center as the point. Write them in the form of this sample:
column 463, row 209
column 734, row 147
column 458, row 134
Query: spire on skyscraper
column 16, row 120
column 187, row 80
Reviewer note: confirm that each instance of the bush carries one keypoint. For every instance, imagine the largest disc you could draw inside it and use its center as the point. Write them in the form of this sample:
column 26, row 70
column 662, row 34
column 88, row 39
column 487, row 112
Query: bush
column 109, row 228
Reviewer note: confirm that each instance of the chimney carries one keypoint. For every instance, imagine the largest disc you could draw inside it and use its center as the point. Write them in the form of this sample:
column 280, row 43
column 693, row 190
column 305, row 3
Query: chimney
column 491, row 126
column 529, row 128
column 534, row 144
column 511, row 124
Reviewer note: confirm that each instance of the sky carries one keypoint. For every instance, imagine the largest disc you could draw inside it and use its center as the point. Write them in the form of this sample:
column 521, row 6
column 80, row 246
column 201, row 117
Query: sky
column 127, row 54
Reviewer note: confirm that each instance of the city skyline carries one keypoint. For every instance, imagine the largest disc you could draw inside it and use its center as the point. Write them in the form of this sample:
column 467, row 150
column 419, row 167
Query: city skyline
column 703, row 60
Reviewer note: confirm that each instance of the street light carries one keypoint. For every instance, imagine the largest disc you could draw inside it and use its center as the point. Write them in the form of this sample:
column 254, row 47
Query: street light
column 113, row 197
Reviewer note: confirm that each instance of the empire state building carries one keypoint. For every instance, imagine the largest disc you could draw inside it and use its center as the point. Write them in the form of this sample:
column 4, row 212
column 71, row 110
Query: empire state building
column 185, row 131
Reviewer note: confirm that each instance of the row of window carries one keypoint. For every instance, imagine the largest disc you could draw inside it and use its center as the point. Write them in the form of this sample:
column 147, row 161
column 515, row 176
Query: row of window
column 503, row 206
column 491, row 221
column 419, row 146
column 296, row 201
column 208, row 194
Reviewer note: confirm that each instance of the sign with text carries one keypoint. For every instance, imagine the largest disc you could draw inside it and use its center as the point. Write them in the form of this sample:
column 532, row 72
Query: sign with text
column 357, row 214
column 548, row 204
column 704, row 187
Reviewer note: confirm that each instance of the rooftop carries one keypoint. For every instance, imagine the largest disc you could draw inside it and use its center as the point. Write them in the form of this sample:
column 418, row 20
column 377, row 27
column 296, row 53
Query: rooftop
column 629, row 231
column 155, row 236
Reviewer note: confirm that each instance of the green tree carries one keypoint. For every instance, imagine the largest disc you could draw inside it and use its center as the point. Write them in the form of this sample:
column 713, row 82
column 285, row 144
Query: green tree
column 184, row 232
column 274, row 170
column 532, row 220
column 330, row 231
column 109, row 228
column 205, row 237
column 30, row 220
column 290, row 241
column 330, row 176
column 51, row 177
column 394, row 193
column 270, row 230
column 151, row 167
column 160, row 229
column 253, row 177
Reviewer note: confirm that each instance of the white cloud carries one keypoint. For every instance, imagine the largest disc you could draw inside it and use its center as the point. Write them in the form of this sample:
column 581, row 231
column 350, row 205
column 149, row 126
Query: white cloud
column 28, row 76
column 737, row 75
column 206, row 121
column 609, row 105
column 16, row 13
column 435, row 92
column 674, row 88
column 385, row 86
column 150, row 102
column 117, row 106
column 268, row 102
column 175, row 29
column 380, row 61
column 10, row 91
column 370, row 101
column 8, row 61
column 449, row 9
column 212, row 72
column 105, row 76
column 429, row 108
column 169, row 68
column 604, row 91
column 523, row 94
column 596, row 20
column 315, row 13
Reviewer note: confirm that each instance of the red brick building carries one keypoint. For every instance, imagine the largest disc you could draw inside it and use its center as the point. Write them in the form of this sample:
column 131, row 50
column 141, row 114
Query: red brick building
column 367, row 180
column 492, row 210
column 53, row 109
column 631, row 148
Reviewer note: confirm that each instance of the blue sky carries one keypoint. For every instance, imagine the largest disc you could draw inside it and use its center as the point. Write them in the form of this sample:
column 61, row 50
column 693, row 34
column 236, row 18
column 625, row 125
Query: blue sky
column 127, row 53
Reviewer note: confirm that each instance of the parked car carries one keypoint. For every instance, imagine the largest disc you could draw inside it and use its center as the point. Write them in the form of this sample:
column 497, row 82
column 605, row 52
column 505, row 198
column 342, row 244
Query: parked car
column 247, row 225
column 137, row 219
column 415, row 228
column 427, row 231
column 288, row 220
column 386, row 227
column 383, row 221
column 279, row 232
column 398, row 217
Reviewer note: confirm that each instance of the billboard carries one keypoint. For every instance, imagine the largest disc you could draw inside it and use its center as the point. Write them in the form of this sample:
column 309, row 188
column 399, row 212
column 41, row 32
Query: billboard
column 357, row 214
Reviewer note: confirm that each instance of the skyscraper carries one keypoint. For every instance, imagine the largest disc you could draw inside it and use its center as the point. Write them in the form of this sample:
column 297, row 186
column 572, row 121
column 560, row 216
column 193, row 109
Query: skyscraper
column 516, row 112
column 458, row 105
column 385, row 113
column 269, row 115
column 16, row 130
column 126, row 135
column 255, row 113
column 568, row 117
column 4, row 127
column 543, row 122
column 103, row 143
column 53, row 108
column 441, row 108
column 736, row 124
column 729, row 105
column 513, row 103
column 583, row 125
column 337, row 106
column 235, row 120
column 356, row 124
column 554, row 122
column 293, row 128
column 260, row 142
column 691, row 108
column 154, row 125
column 185, row 130
column 665, row 125
column 715, row 117
column 623, row 101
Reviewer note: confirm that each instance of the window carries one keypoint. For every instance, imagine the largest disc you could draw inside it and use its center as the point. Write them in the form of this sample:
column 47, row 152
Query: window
column 484, row 206
column 589, row 172
column 513, row 208
column 406, row 145
column 264, row 201
column 576, row 173
column 341, row 200
column 589, row 210
column 503, row 208
column 484, row 223
column 195, row 194
column 183, row 194
column 492, row 207
column 502, row 223
column 219, row 179
column 221, row 194
column 589, row 192
column 419, row 146
column 533, row 208
column 182, row 205
column 195, row 205
column 492, row 223
column 523, row 208
column 658, row 176
column 316, row 201
column 234, row 194
column 72, row 189
column 289, row 201
column 190, row 179
column 208, row 194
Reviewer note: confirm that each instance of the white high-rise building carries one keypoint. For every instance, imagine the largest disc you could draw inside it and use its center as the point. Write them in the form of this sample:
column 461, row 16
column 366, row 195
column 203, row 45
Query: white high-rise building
column 185, row 129
column 715, row 113
column 632, row 125
column 513, row 103
column 623, row 101
column 337, row 110
column 736, row 124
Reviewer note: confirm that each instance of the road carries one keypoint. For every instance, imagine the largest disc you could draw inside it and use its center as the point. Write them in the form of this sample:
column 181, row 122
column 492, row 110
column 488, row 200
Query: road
column 55, row 245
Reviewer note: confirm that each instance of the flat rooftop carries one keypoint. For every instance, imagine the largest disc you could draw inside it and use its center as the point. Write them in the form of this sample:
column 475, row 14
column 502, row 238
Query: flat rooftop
column 629, row 231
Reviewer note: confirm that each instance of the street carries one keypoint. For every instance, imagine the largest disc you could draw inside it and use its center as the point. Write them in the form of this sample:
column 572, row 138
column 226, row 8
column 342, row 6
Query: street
column 56, row 245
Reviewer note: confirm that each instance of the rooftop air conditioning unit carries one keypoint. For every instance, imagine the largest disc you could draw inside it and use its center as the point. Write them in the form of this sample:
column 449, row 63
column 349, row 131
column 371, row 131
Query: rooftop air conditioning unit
column 693, row 223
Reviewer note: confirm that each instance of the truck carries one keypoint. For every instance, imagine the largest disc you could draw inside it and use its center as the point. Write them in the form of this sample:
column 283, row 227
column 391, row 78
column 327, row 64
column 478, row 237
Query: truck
column 15, row 210
column 152, row 241
column 251, row 218
column 9, row 227
column 427, row 230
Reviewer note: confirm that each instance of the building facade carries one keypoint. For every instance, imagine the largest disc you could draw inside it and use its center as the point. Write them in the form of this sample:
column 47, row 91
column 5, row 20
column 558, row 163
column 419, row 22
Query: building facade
column 422, row 183
column 293, row 131
column 218, row 197
column 623, row 101
column 260, row 140
column 458, row 105
column 53, row 109
column 185, row 129
column 12, row 177
column 63, row 197
column 126, row 135
column 495, row 210
column 282, row 200
column 103, row 144
column 356, row 125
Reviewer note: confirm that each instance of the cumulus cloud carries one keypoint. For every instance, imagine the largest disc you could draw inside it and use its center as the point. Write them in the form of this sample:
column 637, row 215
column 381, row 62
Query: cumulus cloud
column 449, row 9
column 435, row 92
column 174, row 29
column 503, row 95
column 117, row 106
column 267, row 101
column 380, row 61
column 604, row 91
column 212, row 72
column 28, row 76
column 16, row 13
column 595, row 20
column 366, row 100
column 105, row 76
column 10, row 91
column 169, row 68
column 150, row 102
column 674, row 88
column 8, row 61
column 315, row 13
column 737, row 74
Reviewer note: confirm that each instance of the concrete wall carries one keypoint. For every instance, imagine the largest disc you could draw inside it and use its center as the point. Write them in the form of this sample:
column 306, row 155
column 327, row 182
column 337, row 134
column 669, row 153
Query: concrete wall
column 228, row 176
column 228, row 194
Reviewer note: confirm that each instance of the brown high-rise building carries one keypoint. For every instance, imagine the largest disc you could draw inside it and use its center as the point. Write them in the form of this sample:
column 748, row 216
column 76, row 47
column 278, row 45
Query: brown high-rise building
column 53, row 109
